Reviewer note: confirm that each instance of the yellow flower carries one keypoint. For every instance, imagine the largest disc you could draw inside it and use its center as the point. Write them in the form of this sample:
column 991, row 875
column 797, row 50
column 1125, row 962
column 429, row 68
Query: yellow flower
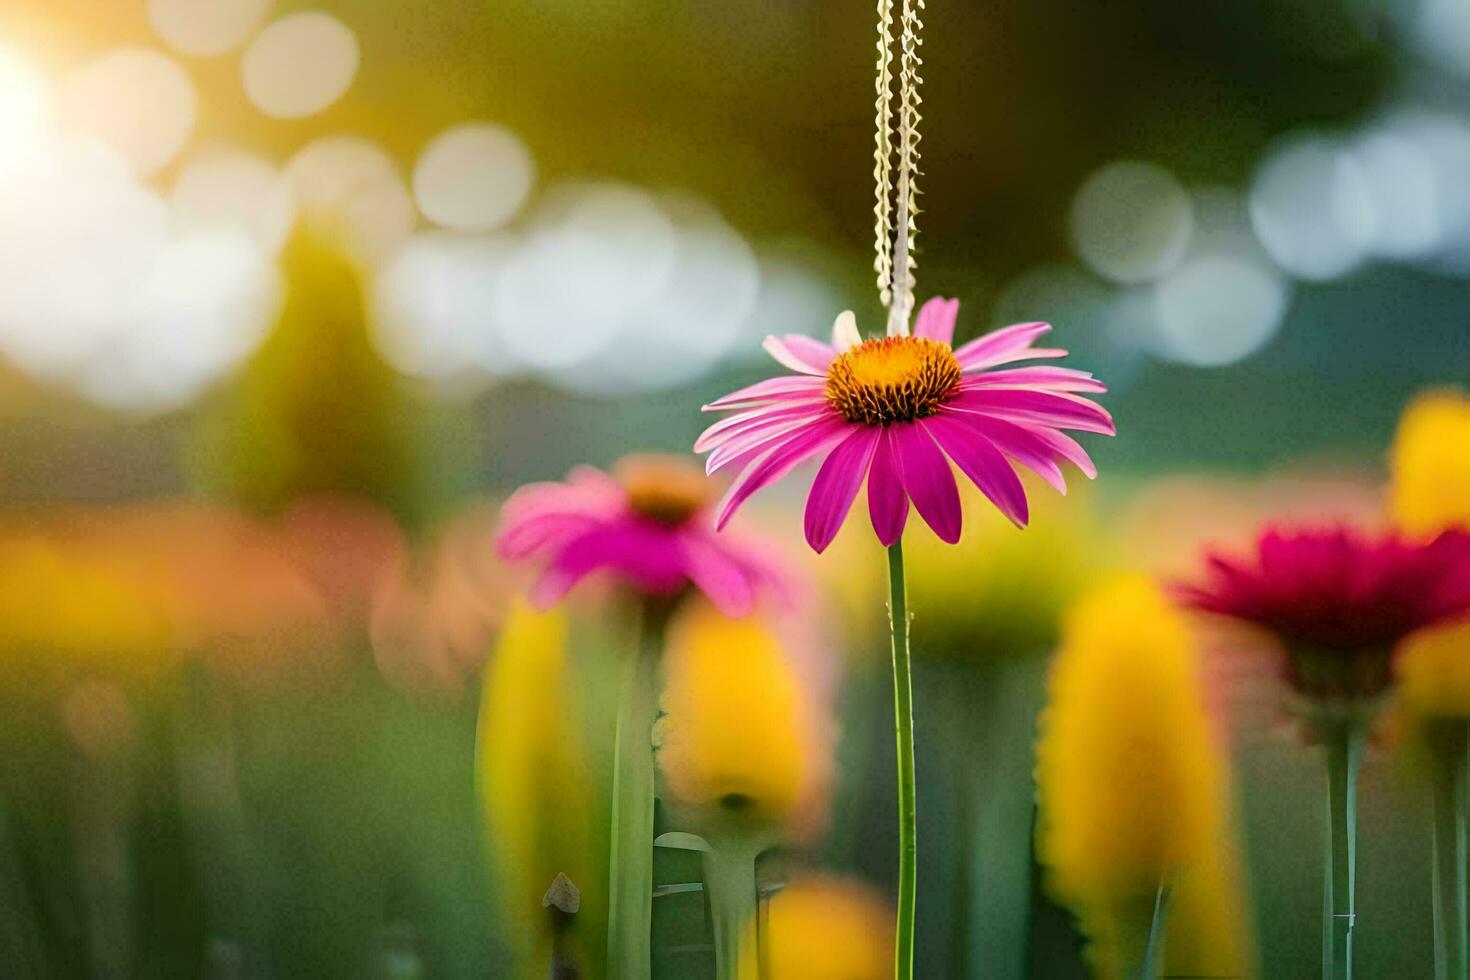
column 823, row 928
column 1430, row 464
column 533, row 781
column 1131, row 788
column 1434, row 672
column 743, row 734
column 83, row 605
column 1001, row 591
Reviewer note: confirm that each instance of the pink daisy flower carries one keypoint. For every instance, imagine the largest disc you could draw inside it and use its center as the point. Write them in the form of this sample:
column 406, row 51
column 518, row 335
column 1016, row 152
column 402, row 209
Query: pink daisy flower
column 647, row 523
column 897, row 411
column 1339, row 600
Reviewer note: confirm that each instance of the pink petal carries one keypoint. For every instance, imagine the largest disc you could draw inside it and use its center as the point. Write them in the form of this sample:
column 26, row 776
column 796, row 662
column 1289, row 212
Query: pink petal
column 1028, row 354
column 1066, row 447
column 982, row 352
column 586, row 478
column 779, row 460
column 718, row 576
column 570, row 566
column 1058, row 378
column 1025, row 447
column 747, row 442
column 888, row 505
column 1042, row 407
column 783, row 388
column 837, row 484
column 936, row 319
column 804, row 355
column 978, row 459
column 927, row 479
column 729, row 427
column 523, row 538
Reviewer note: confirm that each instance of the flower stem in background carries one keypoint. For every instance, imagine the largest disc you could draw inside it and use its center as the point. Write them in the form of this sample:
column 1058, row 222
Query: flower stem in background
column 1153, row 947
column 903, row 724
column 21, row 946
column 1449, row 747
column 562, row 902
column 1344, row 744
column 630, row 881
column 729, row 881
column 215, row 821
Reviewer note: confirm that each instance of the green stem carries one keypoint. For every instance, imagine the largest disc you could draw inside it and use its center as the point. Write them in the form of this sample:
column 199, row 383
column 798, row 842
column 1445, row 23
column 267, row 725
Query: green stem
column 630, row 882
column 729, row 881
column 215, row 821
column 1344, row 745
column 903, row 723
column 1450, row 755
column 1153, row 948
column 20, row 935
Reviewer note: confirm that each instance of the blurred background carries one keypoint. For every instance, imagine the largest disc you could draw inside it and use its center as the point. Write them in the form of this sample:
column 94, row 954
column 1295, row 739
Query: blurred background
column 291, row 296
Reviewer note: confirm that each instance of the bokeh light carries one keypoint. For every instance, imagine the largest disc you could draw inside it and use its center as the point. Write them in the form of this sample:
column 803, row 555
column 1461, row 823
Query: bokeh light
column 76, row 235
column 1403, row 191
column 205, row 304
column 138, row 100
column 206, row 28
column 1215, row 310
column 228, row 188
column 1131, row 221
column 300, row 65
column 1441, row 141
column 356, row 186
column 1312, row 209
column 1441, row 30
column 25, row 105
column 692, row 322
column 594, row 253
column 435, row 307
column 1227, row 299
column 473, row 176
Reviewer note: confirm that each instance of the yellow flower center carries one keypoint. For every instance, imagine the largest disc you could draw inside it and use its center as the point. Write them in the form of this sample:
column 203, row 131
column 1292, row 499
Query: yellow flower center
column 663, row 488
column 892, row 379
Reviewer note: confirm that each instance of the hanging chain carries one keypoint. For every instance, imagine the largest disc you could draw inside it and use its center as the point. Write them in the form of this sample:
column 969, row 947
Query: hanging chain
column 897, row 203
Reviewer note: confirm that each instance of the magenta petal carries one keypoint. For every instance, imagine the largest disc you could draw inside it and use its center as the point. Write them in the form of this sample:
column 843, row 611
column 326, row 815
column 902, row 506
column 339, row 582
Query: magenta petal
column 1058, row 378
column 568, row 568
column 749, row 443
column 1052, row 408
column 733, row 425
column 837, row 483
column 936, row 320
column 978, row 459
column 1067, row 448
column 888, row 505
column 523, row 538
column 779, row 460
column 1025, row 447
column 927, row 479
column 802, row 354
column 1005, row 342
column 718, row 576
column 770, row 390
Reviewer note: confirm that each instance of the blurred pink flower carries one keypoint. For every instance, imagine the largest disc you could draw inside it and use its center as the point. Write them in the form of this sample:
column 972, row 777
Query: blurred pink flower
column 1339, row 599
column 647, row 523
column 897, row 410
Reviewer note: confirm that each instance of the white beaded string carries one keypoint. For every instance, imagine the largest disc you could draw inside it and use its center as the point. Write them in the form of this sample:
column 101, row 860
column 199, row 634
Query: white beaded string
column 897, row 187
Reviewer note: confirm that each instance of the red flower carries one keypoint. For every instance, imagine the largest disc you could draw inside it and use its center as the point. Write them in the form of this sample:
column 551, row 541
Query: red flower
column 1339, row 599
